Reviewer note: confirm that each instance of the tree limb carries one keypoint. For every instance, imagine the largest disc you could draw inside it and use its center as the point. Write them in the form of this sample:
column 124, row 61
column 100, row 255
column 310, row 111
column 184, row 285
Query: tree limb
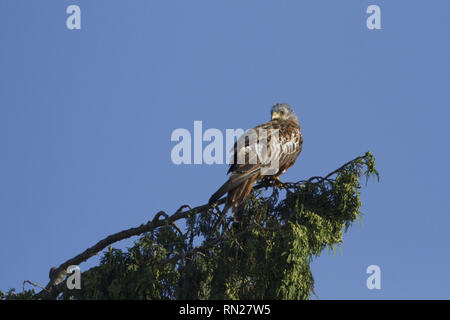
column 56, row 275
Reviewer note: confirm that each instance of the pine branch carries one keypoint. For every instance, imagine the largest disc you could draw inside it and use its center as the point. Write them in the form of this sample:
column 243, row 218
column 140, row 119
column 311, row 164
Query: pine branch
column 55, row 285
column 57, row 274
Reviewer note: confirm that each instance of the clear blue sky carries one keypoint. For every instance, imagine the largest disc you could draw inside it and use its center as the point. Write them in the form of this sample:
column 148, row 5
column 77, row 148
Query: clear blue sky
column 86, row 117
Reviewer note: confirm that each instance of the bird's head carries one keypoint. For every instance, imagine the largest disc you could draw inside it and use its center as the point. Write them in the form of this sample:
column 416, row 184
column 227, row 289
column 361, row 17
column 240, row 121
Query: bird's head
column 283, row 111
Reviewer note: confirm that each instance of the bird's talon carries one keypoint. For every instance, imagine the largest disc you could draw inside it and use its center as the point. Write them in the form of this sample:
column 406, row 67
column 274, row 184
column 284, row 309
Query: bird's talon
column 277, row 182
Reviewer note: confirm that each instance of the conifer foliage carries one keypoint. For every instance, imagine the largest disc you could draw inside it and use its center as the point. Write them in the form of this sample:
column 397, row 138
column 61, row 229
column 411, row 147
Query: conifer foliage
column 266, row 254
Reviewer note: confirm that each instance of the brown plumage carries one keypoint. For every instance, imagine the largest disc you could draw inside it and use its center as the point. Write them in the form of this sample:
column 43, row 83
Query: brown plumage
column 251, row 164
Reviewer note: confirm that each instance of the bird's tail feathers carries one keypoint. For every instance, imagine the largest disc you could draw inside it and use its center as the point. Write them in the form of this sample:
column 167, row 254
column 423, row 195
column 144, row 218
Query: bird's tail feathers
column 237, row 196
column 231, row 184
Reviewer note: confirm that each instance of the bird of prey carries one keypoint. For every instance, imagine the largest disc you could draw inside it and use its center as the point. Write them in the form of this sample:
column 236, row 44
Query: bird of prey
column 278, row 141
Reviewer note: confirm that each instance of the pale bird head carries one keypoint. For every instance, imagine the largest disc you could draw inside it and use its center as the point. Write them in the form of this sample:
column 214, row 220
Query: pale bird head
column 283, row 111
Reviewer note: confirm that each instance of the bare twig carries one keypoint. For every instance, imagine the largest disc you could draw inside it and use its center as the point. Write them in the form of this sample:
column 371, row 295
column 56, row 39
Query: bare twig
column 33, row 284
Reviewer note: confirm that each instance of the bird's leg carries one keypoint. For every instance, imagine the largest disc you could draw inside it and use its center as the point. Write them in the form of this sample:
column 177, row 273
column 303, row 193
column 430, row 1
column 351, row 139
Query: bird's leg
column 272, row 181
column 277, row 182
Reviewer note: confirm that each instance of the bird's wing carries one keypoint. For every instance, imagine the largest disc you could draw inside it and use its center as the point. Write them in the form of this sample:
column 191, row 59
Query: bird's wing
column 274, row 149
column 247, row 151
column 245, row 163
column 277, row 143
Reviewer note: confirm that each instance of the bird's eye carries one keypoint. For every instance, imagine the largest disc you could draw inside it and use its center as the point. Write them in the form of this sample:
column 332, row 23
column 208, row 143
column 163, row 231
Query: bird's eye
column 282, row 112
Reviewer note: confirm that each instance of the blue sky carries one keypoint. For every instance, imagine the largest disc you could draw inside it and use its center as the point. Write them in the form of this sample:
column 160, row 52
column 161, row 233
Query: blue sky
column 86, row 118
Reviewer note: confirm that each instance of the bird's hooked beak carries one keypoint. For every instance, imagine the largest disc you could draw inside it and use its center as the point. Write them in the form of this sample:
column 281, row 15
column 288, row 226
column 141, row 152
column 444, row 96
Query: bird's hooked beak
column 275, row 115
